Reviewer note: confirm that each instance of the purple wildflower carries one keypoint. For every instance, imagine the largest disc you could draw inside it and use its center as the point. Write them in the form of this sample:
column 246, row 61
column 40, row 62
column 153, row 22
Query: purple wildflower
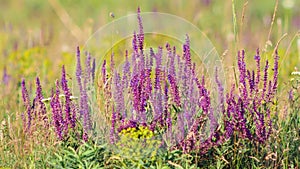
column 88, row 68
column 135, row 93
column 275, row 77
column 243, row 76
column 57, row 112
column 260, row 127
column 26, row 101
column 74, row 110
column 78, row 67
column 104, row 72
column 241, row 120
column 180, row 127
column 134, row 45
column 251, row 80
column 158, row 59
column 112, row 62
column 41, row 106
column 220, row 91
column 151, row 56
column 144, row 96
column 265, row 79
column 187, row 53
column 84, row 101
column 257, row 59
column 85, row 137
column 171, row 66
column 84, row 108
column 229, row 124
column 64, row 85
column 78, row 76
column 126, row 71
column 140, row 36
column 158, row 104
column 175, row 91
column 166, row 109
column 39, row 95
column 93, row 69
column 118, row 96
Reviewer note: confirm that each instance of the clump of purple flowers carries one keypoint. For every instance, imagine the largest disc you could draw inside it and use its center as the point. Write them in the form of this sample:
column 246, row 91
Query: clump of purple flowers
column 64, row 111
column 166, row 95
column 161, row 93
column 36, row 110
column 63, row 114
column 64, row 108
column 248, row 114
column 84, row 80
column 161, row 90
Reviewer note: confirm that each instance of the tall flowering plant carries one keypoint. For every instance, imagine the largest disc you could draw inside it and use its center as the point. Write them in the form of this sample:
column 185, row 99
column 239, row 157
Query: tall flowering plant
column 161, row 91
column 158, row 90
column 66, row 112
column 248, row 113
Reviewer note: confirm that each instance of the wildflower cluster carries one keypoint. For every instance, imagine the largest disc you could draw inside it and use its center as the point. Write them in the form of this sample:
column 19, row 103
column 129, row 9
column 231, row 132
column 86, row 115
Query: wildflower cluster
column 165, row 94
column 159, row 93
column 65, row 111
column 33, row 111
column 249, row 113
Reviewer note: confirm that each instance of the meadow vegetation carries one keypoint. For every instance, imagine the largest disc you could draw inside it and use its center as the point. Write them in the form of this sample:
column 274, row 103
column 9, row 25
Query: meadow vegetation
column 149, row 107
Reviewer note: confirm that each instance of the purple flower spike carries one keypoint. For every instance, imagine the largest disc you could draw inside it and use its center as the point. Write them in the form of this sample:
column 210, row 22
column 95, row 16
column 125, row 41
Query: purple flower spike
column 257, row 59
column 88, row 68
column 41, row 106
column 74, row 110
column 93, row 69
column 112, row 62
column 26, row 101
column 134, row 45
column 39, row 94
column 220, row 91
column 158, row 59
column 118, row 96
column 141, row 32
column 78, row 67
column 85, row 107
column 187, row 52
column 104, row 72
column 126, row 71
column 265, row 79
column 57, row 112
column 166, row 109
column 175, row 91
column 243, row 76
column 64, row 85
column 135, row 93
column 275, row 78
column 85, row 137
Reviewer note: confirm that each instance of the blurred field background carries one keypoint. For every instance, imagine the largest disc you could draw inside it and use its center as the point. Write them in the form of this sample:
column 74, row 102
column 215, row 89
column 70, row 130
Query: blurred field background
column 38, row 37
